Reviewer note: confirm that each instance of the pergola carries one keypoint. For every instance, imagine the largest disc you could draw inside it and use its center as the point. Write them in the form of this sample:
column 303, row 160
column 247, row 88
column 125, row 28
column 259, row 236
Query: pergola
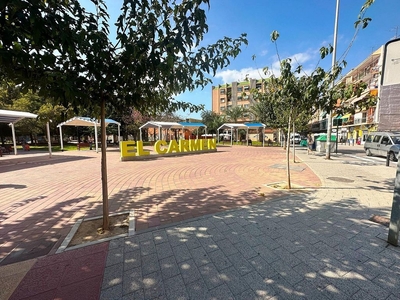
column 169, row 125
column 246, row 126
column 11, row 117
column 85, row 121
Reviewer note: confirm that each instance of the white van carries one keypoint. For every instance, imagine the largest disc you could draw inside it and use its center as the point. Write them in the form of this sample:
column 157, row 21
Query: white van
column 383, row 144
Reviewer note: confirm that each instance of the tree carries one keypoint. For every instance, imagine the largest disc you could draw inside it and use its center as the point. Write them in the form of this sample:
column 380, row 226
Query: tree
column 212, row 120
column 64, row 50
column 235, row 113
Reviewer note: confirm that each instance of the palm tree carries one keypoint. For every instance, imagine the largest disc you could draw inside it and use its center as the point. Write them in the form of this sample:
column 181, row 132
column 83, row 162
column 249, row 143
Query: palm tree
column 235, row 113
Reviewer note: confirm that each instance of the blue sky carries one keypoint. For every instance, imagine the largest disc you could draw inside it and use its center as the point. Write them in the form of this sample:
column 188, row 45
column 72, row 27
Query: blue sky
column 304, row 26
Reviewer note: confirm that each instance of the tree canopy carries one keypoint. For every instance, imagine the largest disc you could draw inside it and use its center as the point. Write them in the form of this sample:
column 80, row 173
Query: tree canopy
column 64, row 51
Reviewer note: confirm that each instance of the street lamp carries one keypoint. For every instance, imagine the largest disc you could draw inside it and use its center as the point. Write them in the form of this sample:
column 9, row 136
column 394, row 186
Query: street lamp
column 329, row 116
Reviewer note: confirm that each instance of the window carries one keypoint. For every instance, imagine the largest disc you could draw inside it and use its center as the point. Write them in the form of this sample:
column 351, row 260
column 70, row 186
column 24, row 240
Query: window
column 370, row 138
column 239, row 98
column 222, row 108
column 222, row 100
column 246, row 97
column 377, row 138
column 258, row 86
column 386, row 141
column 246, row 88
column 222, row 91
column 240, row 89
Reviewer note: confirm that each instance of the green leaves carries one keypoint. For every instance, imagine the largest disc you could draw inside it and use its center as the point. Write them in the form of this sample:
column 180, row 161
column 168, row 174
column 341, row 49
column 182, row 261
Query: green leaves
column 274, row 36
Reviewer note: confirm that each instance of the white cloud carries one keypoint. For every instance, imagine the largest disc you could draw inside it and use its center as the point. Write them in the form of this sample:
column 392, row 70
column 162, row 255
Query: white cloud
column 307, row 59
column 228, row 76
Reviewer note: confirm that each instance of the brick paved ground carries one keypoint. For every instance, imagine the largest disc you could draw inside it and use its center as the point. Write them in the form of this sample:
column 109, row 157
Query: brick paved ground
column 42, row 198
column 314, row 244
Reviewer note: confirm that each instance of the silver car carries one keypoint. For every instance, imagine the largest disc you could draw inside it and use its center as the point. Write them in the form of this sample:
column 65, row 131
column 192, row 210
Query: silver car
column 383, row 144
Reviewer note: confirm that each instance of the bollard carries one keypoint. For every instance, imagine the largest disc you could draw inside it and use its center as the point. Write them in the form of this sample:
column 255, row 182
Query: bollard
column 387, row 160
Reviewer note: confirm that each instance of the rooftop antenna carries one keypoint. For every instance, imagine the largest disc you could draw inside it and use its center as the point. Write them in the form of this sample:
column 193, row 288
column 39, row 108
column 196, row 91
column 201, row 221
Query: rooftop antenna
column 395, row 29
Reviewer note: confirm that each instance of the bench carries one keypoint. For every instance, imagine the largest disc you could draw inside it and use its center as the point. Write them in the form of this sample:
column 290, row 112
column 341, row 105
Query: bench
column 5, row 150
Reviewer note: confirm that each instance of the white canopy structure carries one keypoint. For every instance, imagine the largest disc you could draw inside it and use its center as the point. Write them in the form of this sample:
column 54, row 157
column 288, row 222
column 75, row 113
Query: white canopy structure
column 236, row 126
column 85, row 121
column 169, row 125
column 11, row 117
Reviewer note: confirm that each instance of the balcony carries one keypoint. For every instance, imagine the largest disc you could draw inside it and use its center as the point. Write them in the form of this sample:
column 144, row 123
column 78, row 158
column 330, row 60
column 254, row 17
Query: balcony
column 360, row 120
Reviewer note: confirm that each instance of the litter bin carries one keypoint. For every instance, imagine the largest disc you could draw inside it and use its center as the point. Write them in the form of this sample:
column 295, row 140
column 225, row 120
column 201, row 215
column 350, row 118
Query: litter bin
column 321, row 143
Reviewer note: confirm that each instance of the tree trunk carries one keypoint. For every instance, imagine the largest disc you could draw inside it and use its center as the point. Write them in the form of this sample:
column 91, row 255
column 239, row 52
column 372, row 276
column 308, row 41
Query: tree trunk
column 106, row 220
column 289, row 186
column 294, row 148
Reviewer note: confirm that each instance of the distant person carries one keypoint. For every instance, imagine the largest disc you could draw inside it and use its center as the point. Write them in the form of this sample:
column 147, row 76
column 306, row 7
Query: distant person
column 310, row 142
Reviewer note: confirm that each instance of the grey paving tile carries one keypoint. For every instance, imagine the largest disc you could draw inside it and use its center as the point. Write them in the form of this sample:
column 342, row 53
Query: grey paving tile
column 262, row 267
column 150, row 264
column 160, row 236
column 189, row 271
column 147, row 247
column 246, row 250
column 210, row 275
column 366, row 285
column 116, row 243
column 132, row 260
column 258, row 285
column 131, row 244
column 216, row 234
column 208, row 243
column 175, row 288
column 268, row 255
column 113, row 275
column 289, row 258
column 287, row 272
column 164, row 250
column 248, row 294
column 309, row 291
column 389, row 281
column 114, row 292
column 220, row 260
column 169, row 267
column 362, row 295
column 115, row 256
column 253, row 229
column 153, row 285
column 147, row 236
column 241, row 264
column 221, row 292
column 137, row 295
column 226, row 246
column 232, row 279
column 132, row 281
column 200, row 256
column 198, row 290
column 181, row 253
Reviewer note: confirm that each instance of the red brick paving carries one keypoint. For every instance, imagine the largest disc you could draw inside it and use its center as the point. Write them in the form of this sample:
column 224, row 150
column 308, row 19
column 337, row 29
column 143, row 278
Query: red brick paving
column 41, row 198
column 75, row 274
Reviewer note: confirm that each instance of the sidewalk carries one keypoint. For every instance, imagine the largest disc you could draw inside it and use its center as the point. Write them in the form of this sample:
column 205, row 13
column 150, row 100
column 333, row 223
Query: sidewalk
column 313, row 244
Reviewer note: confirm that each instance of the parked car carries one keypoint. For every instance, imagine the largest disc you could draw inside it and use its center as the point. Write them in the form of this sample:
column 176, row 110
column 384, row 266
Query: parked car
column 383, row 144
column 296, row 138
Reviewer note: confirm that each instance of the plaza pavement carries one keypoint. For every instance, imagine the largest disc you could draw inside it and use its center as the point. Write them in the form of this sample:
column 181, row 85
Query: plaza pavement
column 207, row 225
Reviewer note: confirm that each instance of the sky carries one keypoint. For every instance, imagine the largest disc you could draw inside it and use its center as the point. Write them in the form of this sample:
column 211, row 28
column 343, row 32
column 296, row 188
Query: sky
column 304, row 27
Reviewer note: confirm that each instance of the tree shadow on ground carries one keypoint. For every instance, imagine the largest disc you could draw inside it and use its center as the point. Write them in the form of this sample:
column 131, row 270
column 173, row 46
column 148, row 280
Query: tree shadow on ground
column 291, row 248
column 23, row 238
column 22, row 163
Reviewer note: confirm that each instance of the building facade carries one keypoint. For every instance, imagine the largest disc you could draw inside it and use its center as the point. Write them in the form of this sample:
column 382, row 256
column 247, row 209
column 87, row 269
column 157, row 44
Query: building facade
column 227, row 96
column 358, row 125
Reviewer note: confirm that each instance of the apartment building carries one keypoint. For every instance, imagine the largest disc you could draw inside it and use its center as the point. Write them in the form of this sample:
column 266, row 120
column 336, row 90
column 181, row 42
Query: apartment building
column 227, row 96
column 363, row 121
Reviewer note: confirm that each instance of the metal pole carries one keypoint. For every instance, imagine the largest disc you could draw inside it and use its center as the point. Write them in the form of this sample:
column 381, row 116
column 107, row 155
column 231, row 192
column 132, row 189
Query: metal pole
column 394, row 226
column 328, row 116
column 48, row 137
